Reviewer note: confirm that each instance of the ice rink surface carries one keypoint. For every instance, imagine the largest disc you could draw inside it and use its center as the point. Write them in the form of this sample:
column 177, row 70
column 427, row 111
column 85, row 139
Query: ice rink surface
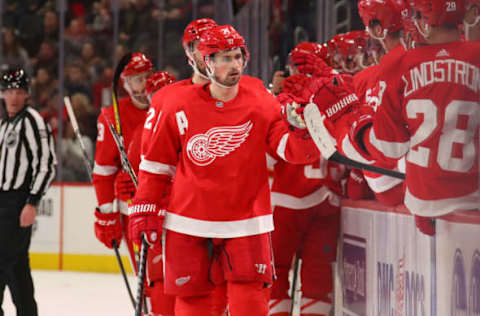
column 65, row 293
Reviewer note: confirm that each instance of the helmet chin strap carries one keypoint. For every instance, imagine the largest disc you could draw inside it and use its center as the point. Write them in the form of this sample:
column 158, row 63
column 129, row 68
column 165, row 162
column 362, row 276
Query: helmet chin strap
column 193, row 64
column 381, row 39
column 468, row 26
column 424, row 32
column 136, row 101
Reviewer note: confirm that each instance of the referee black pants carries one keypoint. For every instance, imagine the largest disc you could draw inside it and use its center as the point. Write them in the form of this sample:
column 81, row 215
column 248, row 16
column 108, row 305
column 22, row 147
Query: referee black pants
column 14, row 260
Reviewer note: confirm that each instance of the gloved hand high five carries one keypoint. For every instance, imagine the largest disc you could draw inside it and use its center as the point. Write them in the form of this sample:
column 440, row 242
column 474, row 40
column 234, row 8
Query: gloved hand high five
column 108, row 228
column 146, row 218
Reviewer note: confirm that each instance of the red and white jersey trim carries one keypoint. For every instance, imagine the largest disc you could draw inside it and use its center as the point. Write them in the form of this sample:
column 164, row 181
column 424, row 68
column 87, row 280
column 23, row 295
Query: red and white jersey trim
column 122, row 206
column 350, row 151
column 104, row 170
column 315, row 307
column 106, row 208
column 282, row 145
column 219, row 229
column 443, row 206
column 395, row 150
column 382, row 183
column 157, row 167
column 279, row 306
column 308, row 201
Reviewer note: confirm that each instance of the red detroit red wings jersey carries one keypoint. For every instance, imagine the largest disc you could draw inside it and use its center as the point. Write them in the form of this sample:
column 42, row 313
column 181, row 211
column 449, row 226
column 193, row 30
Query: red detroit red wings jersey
column 366, row 83
column 430, row 112
column 107, row 157
column 216, row 150
column 152, row 116
column 300, row 187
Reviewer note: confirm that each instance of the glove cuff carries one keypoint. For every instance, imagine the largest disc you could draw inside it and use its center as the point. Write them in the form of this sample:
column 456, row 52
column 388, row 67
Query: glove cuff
column 145, row 208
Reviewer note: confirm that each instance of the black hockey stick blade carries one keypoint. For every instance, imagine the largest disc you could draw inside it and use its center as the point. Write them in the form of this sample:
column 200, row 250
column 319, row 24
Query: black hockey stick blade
column 326, row 145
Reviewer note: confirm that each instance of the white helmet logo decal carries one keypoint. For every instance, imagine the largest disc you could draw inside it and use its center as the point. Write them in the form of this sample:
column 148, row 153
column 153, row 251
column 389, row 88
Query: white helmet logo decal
column 202, row 149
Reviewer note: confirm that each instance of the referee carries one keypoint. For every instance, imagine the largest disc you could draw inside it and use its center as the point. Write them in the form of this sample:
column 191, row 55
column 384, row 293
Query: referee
column 27, row 166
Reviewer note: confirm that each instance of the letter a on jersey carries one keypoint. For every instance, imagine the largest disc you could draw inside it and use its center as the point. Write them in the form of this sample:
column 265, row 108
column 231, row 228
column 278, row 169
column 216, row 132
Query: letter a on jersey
column 202, row 149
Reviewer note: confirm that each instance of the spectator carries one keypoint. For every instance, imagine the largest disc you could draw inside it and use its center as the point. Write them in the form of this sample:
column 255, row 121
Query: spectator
column 72, row 163
column 102, row 89
column 42, row 87
column 92, row 62
column 75, row 36
column 14, row 55
column 46, row 58
column 50, row 112
column 76, row 79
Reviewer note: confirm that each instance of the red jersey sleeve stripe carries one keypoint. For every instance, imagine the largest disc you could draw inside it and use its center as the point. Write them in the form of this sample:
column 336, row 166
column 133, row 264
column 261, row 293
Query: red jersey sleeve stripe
column 390, row 149
column 104, row 170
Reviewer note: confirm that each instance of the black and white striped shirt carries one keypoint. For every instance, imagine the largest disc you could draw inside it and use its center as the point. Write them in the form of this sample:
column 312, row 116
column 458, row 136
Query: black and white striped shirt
column 27, row 154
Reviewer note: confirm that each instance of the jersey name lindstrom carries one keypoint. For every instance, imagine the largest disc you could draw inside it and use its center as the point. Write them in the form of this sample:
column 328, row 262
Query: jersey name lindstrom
column 443, row 70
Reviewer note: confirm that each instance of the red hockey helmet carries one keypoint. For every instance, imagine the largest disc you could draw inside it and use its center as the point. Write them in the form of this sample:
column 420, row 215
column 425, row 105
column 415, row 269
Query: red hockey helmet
column 138, row 64
column 220, row 38
column 440, row 12
column 158, row 80
column 194, row 30
column 387, row 12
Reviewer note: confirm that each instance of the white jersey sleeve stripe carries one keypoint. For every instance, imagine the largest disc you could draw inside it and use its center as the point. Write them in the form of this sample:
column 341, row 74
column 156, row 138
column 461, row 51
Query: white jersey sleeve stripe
column 282, row 145
column 395, row 150
column 443, row 206
column 311, row 200
column 104, row 170
column 382, row 183
column 157, row 167
column 350, row 151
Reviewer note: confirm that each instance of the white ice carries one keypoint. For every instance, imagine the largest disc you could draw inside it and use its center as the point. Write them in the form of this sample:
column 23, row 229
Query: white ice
column 65, row 293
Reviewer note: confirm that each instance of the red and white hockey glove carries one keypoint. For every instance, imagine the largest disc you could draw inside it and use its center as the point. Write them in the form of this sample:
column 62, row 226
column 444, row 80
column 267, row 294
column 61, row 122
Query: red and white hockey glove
column 425, row 224
column 145, row 218
column 308, row 64
column 292, row 111
column 108, row 228
column 295, row 84
column 357, row 187
column 124, row 187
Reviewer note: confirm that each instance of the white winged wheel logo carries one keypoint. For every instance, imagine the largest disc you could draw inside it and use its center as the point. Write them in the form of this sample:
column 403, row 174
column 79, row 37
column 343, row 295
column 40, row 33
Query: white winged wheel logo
column 202, row 149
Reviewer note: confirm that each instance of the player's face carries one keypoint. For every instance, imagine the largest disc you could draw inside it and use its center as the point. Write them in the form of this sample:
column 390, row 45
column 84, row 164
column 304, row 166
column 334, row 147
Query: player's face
column 15, row 99
column 135, row 86
column 228, row 66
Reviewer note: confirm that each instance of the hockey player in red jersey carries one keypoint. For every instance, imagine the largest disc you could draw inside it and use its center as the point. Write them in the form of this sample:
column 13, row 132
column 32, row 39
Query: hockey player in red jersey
column 218, row 218
column 384, row 22
column 471, row 21
column 306, row 218
column 430, row 113
column 110, row 182
column 159, row 303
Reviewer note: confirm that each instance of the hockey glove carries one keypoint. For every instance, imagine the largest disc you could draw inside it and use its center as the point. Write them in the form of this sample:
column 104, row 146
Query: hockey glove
column 425, row 224
column 145, row 218
column 108, row 228
column 295, row 84
column 311, row 65
column 124, row 187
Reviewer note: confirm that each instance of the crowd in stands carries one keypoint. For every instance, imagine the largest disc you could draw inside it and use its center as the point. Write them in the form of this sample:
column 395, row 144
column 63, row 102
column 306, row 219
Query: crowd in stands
column 31, row 39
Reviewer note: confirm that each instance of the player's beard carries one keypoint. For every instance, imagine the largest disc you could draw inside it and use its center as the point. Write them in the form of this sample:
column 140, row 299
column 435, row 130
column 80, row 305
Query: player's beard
column 230, row 79
column 202, row 68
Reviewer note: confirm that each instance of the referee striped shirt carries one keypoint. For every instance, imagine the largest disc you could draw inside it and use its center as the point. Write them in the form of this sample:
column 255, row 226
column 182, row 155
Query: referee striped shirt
column 27, row 154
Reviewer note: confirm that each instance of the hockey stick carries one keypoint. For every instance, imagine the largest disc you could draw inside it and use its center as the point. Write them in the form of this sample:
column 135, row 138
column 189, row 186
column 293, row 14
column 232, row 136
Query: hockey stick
column 76, row 129
column 323, row 140
column 118, row 137
column 296, row 293
column 144, row 247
